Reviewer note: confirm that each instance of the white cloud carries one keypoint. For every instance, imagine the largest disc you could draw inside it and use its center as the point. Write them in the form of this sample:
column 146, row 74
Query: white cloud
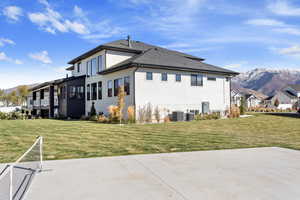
column 4, row 57
column 290, row 51
column 41, row 56
column 283, row 7
column 288, row 30
column 4, row 41
column 236, row 65
column 13, row 12
column 265, row 22
column 52, row 21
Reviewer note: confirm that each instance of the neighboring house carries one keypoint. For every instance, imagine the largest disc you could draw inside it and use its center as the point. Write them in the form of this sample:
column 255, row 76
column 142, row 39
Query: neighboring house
column 252, row 98
column 288, row 98
column 167, row 79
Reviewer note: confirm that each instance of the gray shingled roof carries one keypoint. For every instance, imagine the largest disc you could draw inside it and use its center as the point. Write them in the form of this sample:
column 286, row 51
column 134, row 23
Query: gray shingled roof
column 296, row 87
column 122, row 45
column 159, row 58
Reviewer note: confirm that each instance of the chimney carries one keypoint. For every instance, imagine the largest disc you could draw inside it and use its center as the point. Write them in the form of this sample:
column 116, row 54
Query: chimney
column 129, row 41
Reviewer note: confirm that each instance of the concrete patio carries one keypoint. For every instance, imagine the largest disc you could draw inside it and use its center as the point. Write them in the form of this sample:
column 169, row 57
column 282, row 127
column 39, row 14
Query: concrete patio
column 258, row 173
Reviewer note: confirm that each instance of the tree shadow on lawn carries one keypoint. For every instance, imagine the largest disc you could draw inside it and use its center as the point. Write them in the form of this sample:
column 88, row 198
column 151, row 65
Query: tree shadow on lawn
column 291, row 115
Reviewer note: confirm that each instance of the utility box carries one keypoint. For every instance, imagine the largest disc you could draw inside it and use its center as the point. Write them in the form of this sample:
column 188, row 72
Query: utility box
column 205, row 107
column 177, row 116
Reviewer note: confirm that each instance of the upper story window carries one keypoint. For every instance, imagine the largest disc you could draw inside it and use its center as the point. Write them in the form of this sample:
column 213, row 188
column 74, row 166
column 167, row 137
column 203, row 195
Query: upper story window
column 211, row 78
column 178, row 77
column 100, row 63
column 34, row 96
column 93, row 67
column 88, row 68
column 127, row 85
column 164, row 76
column 109, row 88
column 78, row 67
column 88, row 92
column 94, row 91
column 117, row 84
column 42, row 94
column 149, row 76
column 196, row 80
column 100, row 90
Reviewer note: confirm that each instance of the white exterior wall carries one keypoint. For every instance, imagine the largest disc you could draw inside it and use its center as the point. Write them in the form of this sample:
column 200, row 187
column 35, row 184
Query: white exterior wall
column 285, row 106
column 102, row 105
column 173, row 96
column 109, row 59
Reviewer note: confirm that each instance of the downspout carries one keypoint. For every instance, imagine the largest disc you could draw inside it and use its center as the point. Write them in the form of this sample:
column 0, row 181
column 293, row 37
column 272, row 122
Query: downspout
column 134, row 102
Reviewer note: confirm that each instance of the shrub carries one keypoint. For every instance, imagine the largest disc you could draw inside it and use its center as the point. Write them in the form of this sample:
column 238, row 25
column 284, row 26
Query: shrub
column 142, row 114
column 102, row 119
column 121, row 103
column 214, row 115
column 242, row 106
column 234, row 112
column 167, row 119
column 131, row 114
column 276, row 103
column 113, row 114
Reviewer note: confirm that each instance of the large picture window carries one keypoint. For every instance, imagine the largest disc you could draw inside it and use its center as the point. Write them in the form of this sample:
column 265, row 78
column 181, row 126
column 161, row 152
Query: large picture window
column 100, row 90
column 127, row 85
column 100, row 63
column 94, row 91
column 109, row 88
column 93, row 67
column 117, row 84
column 88, row 92
column 196, row 80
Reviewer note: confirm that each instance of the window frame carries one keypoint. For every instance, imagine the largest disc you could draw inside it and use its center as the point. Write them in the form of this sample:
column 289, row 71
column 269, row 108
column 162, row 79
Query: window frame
column 109, row 88
column 151, row 76
column 164, row 76
column 88, row 92
column 117, row 84
column 100, row 88
column 198, row 81
column 80, row 92
column 94, row 66
column 94, row 91
column 176, row 77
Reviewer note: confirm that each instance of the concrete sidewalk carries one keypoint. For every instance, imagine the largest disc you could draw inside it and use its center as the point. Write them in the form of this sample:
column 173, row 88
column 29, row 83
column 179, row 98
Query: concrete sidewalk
column 259, row 173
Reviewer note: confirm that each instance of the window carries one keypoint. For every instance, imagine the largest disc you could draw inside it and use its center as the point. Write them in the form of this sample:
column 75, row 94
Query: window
column 93, row 66
column 127, row 85
column 109, row 88
column 100, row 90
column 78, row 67
column 164, row 76
column 227, row 79
column 88, row 92
column 63, row 92
column 196, row 80
column 72, row 92
column 80, row 92
column 100, row 64
column 149, row 76
column 42, row 94
column 210, row 78
column 94, row 91
column 117, row 84
column 178, row 77
column 34, row 96
column 88, row 68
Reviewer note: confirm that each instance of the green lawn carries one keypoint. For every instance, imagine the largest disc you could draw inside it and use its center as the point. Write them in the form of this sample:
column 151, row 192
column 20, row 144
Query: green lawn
column 78, row 139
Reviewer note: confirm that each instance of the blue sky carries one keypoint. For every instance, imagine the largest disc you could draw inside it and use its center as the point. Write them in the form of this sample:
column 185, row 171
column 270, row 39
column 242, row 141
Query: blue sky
column 39, row 37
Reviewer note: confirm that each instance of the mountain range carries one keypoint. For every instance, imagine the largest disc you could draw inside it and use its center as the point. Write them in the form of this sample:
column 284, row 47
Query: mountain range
column 267, row 81
column 9, row 90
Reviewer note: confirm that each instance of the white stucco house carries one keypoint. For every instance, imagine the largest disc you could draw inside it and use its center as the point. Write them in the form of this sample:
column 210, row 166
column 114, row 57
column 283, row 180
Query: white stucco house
column 167, row 79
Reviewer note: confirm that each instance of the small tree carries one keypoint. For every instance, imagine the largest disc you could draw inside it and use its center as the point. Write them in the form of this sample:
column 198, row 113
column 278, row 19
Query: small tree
column 276, row 103
column 23, row 93
column 157, row 114
column 242, row 106
column 121, row 103
column 93, row 110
